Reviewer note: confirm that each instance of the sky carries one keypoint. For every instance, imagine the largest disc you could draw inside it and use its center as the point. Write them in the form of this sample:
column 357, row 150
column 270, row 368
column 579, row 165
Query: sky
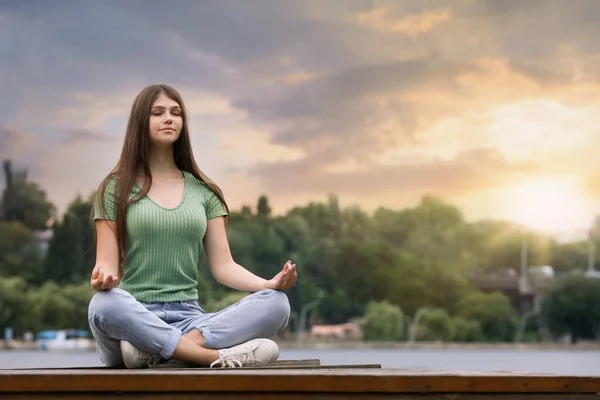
column 490, row 105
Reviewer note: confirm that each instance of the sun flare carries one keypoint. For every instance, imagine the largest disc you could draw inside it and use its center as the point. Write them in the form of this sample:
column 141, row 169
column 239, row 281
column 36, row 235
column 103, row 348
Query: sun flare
column 548, row 205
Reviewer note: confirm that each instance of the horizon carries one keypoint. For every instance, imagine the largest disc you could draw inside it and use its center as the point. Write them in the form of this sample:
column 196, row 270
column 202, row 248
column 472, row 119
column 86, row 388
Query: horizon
column 491, row 107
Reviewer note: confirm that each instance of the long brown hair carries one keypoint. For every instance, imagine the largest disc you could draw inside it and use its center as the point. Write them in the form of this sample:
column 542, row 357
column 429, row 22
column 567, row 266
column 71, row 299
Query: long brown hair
column 134, row 154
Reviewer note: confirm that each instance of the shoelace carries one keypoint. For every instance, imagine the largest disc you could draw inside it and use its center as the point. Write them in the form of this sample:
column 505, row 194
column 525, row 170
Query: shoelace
column 227, row 363
column 149, row 359
column 234, row 360
column 153, row 361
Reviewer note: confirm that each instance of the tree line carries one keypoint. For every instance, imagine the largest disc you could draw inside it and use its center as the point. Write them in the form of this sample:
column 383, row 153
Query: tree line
column 384, row 269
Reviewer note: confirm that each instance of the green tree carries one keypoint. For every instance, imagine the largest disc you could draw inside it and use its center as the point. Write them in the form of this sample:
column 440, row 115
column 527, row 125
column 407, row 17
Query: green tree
column 383, row 321
column 20, row 254
column 497, row 245
column 24, row 201
column 493, row 312
column 573, row 306
column 55, row 306
column 407, row 283
column 71, row 253
column 435, row 324
column 13, row 304
column 570, row 256
column 263, row 209
column 467, row 331
column 435, row 255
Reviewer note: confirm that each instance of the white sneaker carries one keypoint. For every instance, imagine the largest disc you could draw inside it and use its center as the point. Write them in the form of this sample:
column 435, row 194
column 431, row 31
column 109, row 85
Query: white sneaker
column 255, row 353
column 135, row 358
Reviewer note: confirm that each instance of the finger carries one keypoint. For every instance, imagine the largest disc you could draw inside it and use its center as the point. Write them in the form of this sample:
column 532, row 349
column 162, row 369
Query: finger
column 111, row 282
column 97, row 284
column 286, row 284
column 103, row 284
column 107, row 281
column 95, row 272
column 293, row 276
column 282, row 279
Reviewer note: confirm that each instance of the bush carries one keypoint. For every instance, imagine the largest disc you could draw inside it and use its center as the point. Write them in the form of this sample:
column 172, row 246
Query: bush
column 467, row 331
column 383, row 321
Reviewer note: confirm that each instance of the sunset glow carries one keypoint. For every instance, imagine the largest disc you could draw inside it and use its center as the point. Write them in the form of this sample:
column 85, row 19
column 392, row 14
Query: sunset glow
column 549, row 205
column 476, row 102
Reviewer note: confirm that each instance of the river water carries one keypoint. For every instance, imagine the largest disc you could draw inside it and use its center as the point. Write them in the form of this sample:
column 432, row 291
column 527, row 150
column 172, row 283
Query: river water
column 565, row 362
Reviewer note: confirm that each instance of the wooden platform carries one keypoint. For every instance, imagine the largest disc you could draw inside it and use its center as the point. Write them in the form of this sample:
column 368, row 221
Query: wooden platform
column 303, row 379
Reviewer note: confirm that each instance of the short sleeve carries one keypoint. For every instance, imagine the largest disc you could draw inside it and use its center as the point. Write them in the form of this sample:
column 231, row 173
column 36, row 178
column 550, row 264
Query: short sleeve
column 110, row 205
column 214, row 206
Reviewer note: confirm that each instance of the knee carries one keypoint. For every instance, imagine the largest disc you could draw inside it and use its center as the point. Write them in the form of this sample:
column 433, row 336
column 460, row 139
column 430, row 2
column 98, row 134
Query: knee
column 277, row 306
column 106, row 306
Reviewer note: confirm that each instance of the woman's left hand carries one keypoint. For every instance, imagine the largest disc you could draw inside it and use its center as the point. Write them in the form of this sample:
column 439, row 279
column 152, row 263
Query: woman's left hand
column 285, row 279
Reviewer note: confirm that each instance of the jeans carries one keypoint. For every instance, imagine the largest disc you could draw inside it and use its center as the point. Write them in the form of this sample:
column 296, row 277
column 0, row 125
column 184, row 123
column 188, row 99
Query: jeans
column 115, row 315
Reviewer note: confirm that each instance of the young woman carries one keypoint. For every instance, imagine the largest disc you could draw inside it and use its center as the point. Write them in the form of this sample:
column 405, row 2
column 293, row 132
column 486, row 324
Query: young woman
column 156, row 214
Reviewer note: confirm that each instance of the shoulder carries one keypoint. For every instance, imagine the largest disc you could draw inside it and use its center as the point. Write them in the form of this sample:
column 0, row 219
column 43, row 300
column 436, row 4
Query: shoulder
column 197, row 185
column 212, row 203
column 111, row 183
column 105, row 205
column 107, row 186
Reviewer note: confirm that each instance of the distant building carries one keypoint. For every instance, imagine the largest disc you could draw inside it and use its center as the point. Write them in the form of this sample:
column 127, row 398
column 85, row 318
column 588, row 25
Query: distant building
column 525, row 290
column 348, row 331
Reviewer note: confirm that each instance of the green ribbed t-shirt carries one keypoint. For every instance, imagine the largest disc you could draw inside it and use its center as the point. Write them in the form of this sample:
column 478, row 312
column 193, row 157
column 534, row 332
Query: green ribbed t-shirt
column 164, row 246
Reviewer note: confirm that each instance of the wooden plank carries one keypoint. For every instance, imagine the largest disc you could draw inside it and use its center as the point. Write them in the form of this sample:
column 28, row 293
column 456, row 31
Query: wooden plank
column 323, row 380
column 299, row 396
column 284, row 366
column 311, row 362
column 308, row 363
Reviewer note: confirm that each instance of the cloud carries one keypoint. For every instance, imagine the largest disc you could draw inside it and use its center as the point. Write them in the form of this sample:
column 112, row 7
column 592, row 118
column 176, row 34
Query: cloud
column 355, row 113
column 76, row 135
column 13, row 141
column 467, row 172
column 411, row 25
column 313, row 96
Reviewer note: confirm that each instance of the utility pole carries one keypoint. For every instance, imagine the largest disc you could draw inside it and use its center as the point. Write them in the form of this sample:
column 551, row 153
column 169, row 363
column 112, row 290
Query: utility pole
column 523, row 257
column 591, row 255
column 524, row 287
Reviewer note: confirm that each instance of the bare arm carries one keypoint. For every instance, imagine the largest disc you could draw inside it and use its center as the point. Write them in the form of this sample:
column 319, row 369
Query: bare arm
column 106, row 271
column 225, row 270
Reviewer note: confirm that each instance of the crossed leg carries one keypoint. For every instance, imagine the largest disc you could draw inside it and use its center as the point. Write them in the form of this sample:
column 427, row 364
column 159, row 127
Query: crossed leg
column 260, row 315
column 115, row 315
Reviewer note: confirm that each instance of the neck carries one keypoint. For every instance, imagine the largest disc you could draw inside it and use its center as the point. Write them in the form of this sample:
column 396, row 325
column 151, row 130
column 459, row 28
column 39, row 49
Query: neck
column 162, row 163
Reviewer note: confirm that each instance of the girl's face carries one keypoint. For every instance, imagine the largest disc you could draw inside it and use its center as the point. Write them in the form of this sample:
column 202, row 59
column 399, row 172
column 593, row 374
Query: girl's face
column 166, row 121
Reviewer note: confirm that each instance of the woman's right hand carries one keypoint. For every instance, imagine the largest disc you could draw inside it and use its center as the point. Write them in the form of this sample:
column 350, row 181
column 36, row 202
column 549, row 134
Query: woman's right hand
column 103, row 280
